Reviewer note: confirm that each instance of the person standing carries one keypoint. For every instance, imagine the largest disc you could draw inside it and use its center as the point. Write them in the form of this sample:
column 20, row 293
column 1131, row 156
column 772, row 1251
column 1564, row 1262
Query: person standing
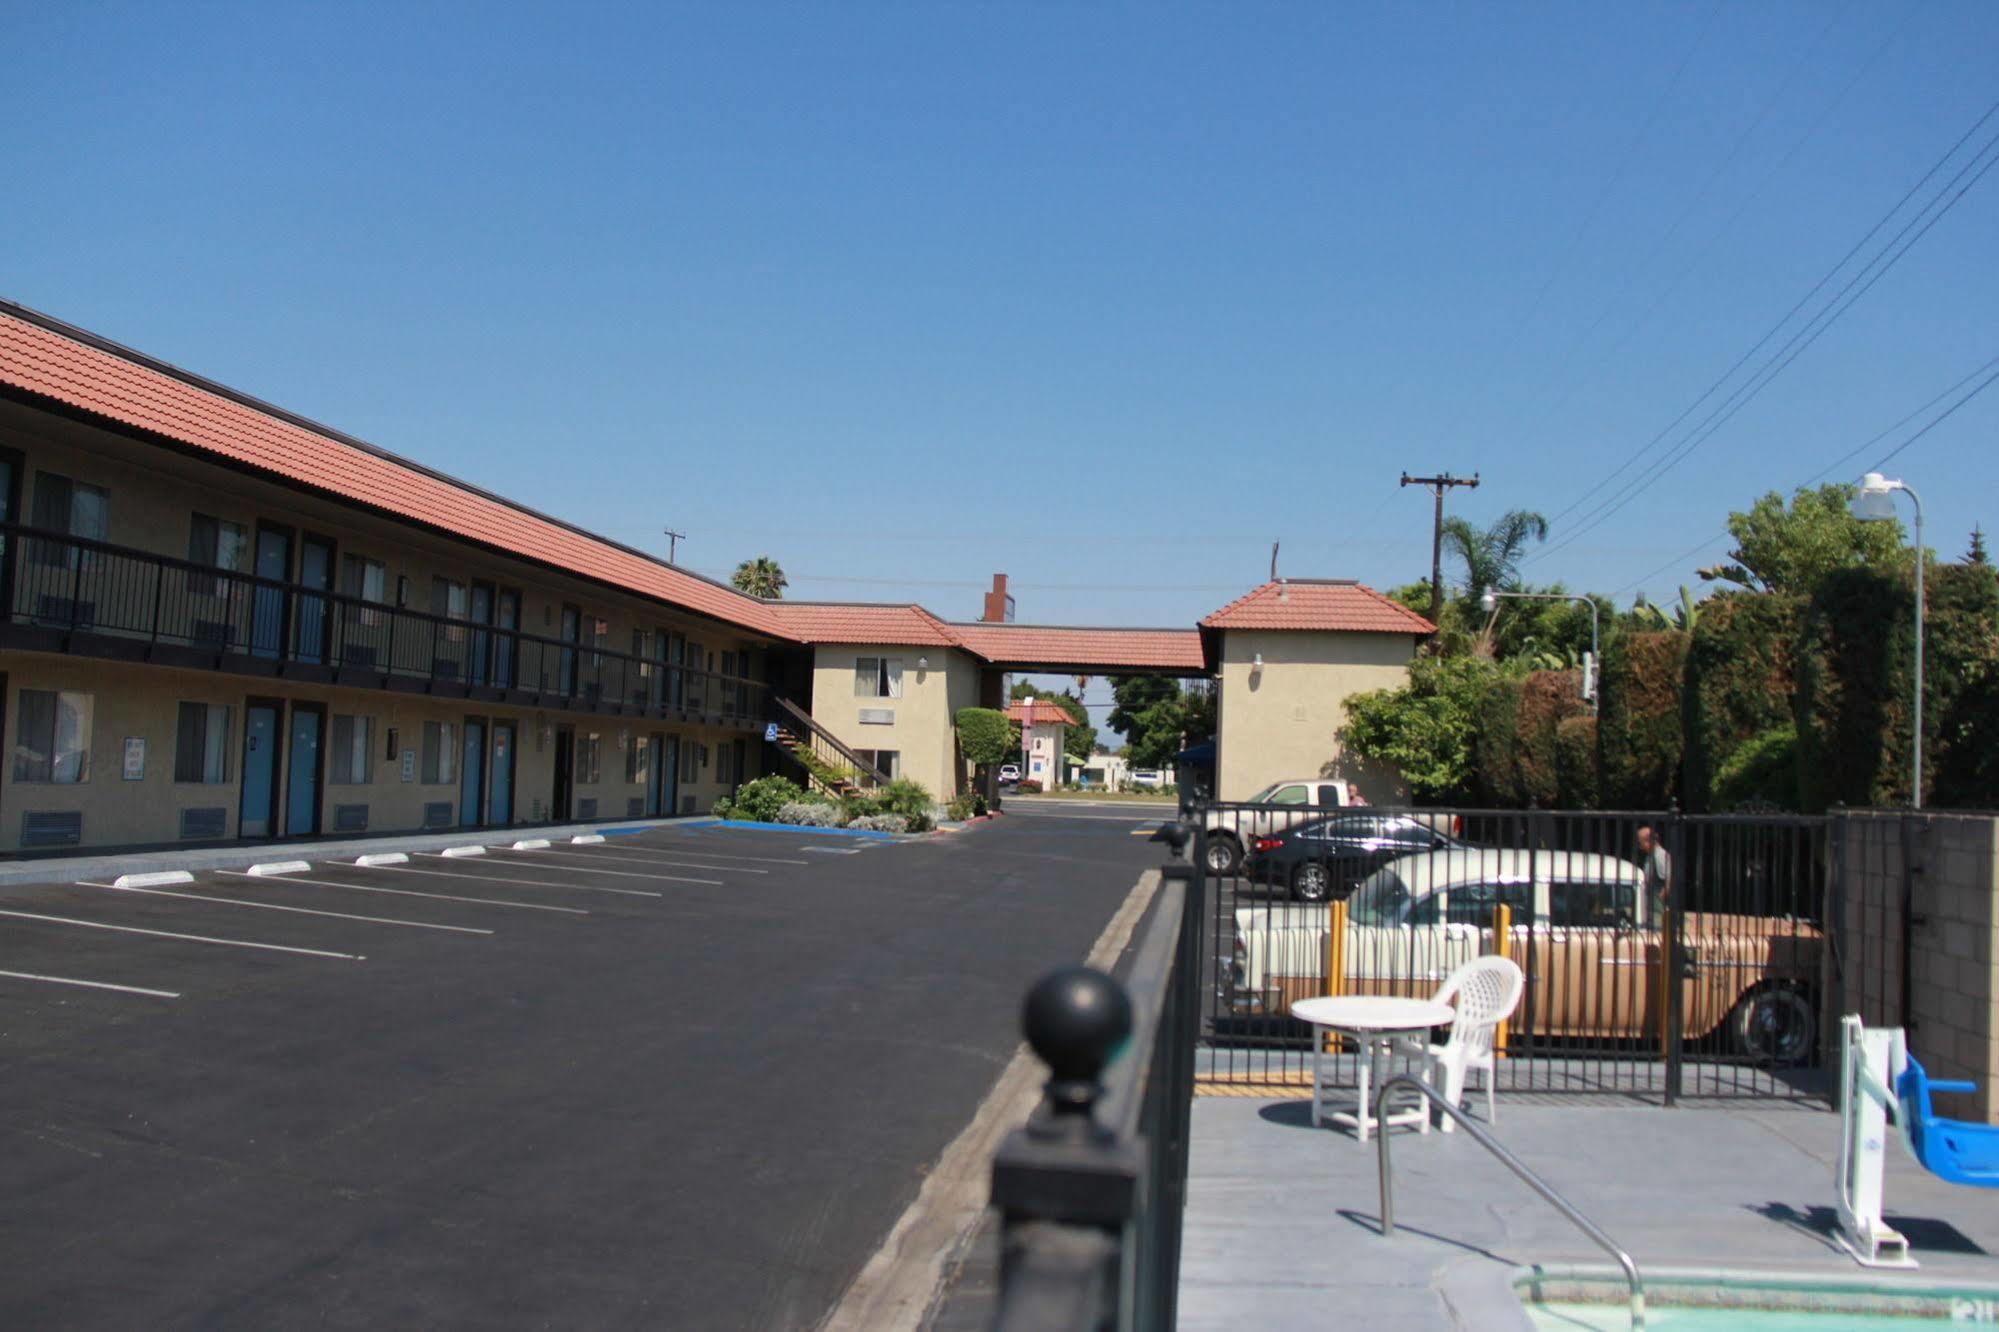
column 1657, row 864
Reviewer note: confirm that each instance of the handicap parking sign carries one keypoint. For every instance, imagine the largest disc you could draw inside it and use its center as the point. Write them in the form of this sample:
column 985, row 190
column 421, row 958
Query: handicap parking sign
column 770, row 732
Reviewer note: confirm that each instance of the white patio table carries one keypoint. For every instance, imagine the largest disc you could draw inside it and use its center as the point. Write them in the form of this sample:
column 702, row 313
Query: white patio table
column 1375, row 1021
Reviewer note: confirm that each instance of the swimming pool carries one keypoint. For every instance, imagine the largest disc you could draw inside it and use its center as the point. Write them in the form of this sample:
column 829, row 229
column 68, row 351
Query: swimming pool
column 1594, row 1300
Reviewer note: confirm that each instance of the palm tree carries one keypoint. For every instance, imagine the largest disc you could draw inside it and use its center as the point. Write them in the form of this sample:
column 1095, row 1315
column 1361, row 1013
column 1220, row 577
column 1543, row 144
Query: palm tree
column 760, row 577
column 1491, row 556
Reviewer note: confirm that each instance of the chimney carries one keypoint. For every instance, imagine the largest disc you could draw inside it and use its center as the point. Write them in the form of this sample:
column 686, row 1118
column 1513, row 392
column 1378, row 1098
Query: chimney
column 999, row 606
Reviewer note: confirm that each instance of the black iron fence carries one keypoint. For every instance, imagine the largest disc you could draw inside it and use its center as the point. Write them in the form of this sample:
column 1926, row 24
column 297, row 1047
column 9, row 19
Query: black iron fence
column 1092, row 1191
column 71, row 594
column 1664, row 955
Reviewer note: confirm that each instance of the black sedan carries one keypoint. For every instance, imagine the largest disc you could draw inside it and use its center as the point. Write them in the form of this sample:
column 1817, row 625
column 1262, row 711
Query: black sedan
column 1324, row 860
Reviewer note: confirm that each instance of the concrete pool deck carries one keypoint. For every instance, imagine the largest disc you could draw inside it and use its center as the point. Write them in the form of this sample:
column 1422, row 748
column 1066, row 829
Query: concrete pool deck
column 1282, row 1223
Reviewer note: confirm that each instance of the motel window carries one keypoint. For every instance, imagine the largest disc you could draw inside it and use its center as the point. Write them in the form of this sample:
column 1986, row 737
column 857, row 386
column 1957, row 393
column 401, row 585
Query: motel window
column 440, row 753
column 888, row 762
column 52, row 737
column 201, row 746
column 878, row 677
column 351, row 754
column 365, row 580
column 689, row 761
column 219, row 544
column 589, row 758
column 73, row 509
column 724, row 766
column 450, row 599
column 638, row 761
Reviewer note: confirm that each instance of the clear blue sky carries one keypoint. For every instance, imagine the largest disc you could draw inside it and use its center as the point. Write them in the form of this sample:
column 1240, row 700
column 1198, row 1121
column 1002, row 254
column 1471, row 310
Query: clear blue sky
column 1109, row 299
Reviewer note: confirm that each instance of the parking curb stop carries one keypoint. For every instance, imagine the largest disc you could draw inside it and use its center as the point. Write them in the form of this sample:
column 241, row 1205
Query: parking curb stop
column 382, row 858
column 456, row 851
column 271, row 867
column 156, row 879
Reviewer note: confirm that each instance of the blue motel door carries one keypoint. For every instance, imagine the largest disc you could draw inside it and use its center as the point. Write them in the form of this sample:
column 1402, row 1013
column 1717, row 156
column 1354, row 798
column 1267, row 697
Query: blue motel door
column 472, row 773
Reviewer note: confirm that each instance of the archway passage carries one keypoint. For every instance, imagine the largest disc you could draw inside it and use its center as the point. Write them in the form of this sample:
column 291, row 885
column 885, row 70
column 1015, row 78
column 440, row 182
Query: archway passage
column 1061, row 650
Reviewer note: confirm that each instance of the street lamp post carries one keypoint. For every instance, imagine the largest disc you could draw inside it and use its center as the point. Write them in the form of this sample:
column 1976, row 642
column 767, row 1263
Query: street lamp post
column 1874, row 502
column 1489, row 601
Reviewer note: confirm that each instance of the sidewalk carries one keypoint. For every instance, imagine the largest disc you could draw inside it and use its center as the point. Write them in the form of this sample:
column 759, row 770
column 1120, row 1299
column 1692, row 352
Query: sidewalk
column 1282, row 1225
column 70, row 868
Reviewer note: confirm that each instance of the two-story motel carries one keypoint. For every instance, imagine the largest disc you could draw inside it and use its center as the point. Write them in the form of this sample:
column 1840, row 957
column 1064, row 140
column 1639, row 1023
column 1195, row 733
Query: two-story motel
column 220, row 621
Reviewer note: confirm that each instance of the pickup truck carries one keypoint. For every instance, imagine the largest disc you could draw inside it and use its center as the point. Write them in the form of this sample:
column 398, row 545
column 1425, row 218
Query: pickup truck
column 1233, row 828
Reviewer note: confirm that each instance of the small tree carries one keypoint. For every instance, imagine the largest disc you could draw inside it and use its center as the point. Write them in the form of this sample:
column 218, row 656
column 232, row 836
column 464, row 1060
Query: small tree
column 760, row 577
column 1976, row 555
column 987, row 739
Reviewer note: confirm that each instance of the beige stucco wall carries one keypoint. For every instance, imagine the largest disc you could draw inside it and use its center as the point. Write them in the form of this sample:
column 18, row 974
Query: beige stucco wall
column 143, row 702
column 922, row 730
column 1283, row 720
column 152, row 496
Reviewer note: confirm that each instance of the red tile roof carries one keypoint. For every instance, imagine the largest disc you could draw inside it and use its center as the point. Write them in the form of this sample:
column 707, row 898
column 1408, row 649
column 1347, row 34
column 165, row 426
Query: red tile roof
column 1297, row 603
column 118, row 388
column 862, row 622
column 1032, row 646
column 1044, row 714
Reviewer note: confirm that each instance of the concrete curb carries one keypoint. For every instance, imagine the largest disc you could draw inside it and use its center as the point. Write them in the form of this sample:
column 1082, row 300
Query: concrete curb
column 896, row 1288
column 69, row 869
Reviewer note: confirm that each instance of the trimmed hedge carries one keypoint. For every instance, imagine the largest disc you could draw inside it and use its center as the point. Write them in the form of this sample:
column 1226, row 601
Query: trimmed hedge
column 1495, row 774
column 1639, row 736
column 1740, row 680
column 1575, row 763
column 1547, row 699
column 1763, row 771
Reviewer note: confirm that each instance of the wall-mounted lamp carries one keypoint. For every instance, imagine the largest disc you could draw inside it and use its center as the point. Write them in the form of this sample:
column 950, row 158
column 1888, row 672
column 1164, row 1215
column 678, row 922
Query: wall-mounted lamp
column 923, row 663
column 1256, row 662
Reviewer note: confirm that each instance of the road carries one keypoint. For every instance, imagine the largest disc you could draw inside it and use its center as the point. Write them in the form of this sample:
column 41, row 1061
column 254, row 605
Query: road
column 684, row 1078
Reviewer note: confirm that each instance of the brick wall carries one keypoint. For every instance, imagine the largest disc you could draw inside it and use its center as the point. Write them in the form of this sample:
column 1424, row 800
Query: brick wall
column 1948, row 865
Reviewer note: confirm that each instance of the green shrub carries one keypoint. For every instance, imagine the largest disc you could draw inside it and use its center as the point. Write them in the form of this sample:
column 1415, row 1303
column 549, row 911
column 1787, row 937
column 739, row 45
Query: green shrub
column 1740, row 682
column 986, row 736
column 1575, row 763
column 1547, row 699
column 889, row 823
column 760, row 800
column 902, row 797
column 1763, row 771
column 811, row 814
column 1639, row 738
column 1495, row 743
column 967, row 806
column 829, row 775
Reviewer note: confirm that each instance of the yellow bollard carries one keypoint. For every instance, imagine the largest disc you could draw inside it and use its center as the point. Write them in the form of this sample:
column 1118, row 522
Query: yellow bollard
column 1336, row 959
column 1664, row 997
column 1502, row 946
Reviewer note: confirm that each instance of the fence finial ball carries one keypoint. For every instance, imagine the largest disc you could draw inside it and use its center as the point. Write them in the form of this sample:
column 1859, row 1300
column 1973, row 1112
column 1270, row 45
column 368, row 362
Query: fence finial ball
column 1077, row 1019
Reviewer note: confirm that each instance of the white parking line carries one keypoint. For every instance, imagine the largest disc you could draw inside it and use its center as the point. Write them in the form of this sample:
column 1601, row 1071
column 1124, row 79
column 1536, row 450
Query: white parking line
column 189, row 938
column 91, row 985
column 644, row 860
column 498, row 878
column 679, row 849
column 276, row 906
column 617, row 874
column 441, row 897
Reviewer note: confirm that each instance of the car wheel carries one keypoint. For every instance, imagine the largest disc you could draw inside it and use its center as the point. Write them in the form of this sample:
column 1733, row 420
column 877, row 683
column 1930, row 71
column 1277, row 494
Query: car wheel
column 1311, row 882
column 1224, row 855
column 1775, row 1025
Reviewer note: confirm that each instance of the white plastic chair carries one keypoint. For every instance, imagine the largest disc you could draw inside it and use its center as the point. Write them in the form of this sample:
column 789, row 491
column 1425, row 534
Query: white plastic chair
column 1487, row 990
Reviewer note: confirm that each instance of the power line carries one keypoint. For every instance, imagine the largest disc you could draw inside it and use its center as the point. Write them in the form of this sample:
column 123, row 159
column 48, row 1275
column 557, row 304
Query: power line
column 1991, row 372
column 1788, row 315
column 1801, row 340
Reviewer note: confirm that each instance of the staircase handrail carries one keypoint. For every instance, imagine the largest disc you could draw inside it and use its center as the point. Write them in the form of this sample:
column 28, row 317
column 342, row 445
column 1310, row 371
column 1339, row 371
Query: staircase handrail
column 831, row 741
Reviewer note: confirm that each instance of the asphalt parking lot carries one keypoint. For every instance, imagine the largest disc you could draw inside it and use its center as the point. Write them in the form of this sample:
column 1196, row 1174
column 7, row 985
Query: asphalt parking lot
column 684, row 1077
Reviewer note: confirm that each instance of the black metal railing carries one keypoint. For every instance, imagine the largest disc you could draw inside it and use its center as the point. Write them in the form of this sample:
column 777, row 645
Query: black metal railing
column 73, row 594
column 1711, row 977
column 1092, row 1191
column 829, row 750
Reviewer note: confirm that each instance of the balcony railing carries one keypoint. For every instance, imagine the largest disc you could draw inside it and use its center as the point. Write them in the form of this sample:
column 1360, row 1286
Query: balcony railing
column 64, row 593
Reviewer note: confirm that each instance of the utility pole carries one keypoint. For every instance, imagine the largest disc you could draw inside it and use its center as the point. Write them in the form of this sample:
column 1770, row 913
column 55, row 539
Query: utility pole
column 673, row 540
column 1438, row 485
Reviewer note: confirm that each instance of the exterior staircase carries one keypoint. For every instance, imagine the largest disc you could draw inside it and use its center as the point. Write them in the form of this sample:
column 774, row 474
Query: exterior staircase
column 829, row 765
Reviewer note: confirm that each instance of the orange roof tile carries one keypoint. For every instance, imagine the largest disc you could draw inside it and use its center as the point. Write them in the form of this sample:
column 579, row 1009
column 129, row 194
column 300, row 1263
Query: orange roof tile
column 1034, row 646
column 1044, row 714
column 119, row 388
column 1297, row 603
column 862, row 622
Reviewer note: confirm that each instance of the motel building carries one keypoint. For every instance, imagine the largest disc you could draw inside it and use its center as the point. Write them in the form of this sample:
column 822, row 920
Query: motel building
column 220, row 621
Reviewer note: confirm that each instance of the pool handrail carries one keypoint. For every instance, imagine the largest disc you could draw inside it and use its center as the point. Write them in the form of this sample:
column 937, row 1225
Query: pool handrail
column 1511, row 1162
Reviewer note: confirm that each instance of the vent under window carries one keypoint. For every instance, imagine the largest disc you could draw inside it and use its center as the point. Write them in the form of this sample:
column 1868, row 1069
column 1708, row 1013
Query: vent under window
column 204, row 824
column 51, row 827
column 438, row 814
column 350, row 818
column 586, row 808
column 635, row 808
